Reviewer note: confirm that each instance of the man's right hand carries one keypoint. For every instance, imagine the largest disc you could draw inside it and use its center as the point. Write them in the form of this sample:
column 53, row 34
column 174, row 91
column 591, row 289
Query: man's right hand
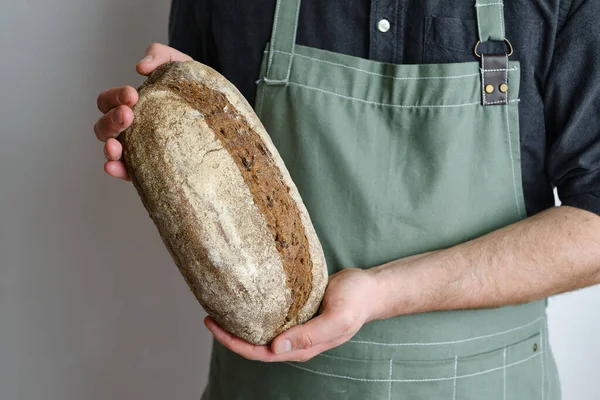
column 116, row 105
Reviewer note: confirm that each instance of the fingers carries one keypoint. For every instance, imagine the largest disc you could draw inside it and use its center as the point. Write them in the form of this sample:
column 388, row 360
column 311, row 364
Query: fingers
column 113, row 123
column 116, row 105
column 115, row 97
column 323, row 329
column 157, row 55
column 264, row 353
column 116, row 169
column 113, row 150
column 237, row 345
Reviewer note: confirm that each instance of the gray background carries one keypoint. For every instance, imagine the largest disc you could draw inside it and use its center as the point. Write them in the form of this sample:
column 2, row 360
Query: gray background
column 91, row 306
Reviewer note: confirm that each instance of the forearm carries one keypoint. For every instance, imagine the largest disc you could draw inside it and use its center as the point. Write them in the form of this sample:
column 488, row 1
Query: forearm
column 555, row 251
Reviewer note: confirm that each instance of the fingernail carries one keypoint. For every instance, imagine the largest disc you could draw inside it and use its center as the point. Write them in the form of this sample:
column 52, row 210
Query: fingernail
column 146, row 59
column 119, row 116
column 123, row 96
column 283, row 347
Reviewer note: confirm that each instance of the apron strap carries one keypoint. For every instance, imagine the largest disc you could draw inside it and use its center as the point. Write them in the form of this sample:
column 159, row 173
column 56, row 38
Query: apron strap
column 283, row 42
column 494, row 67
column 490, row 27
column 490, row 20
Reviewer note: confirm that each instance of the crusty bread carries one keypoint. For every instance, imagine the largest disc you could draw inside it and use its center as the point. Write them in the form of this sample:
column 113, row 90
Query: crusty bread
column 224, row 203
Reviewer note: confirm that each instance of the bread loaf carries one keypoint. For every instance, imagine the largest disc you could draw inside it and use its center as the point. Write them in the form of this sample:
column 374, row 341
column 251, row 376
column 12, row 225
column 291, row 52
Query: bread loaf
column 223, row 202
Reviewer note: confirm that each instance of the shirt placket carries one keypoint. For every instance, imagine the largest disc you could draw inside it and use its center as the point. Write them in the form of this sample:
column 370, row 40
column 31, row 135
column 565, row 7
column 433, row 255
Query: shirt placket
column 385, row 31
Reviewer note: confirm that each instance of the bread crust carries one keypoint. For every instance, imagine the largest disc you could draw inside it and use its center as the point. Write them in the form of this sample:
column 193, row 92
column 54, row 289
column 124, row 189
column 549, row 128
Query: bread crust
column 208, row 210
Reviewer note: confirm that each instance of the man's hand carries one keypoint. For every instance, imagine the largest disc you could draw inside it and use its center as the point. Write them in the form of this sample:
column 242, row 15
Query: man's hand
column 116, row 105
column 349, row 302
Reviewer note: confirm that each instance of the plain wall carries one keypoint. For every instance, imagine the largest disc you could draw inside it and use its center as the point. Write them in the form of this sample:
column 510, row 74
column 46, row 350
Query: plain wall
column 91, row 306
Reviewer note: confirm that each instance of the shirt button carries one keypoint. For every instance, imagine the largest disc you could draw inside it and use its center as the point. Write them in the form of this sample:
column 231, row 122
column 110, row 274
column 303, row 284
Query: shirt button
column 383, row 25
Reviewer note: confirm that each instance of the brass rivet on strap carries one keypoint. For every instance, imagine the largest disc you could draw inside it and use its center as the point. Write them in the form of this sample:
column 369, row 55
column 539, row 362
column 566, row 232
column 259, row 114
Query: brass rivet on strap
column 535, row 347
column 503, row 88
column 489, row 89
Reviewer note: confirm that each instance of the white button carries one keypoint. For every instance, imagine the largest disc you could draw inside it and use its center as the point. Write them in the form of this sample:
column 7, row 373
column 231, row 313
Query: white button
column 383, row 25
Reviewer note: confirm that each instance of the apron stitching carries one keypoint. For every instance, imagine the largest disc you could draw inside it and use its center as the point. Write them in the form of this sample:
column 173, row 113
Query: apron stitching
column 496, row 102
column 483, row 79
column 542, row 362
column 489, row 4
column 417, row 380
column 453, row 341
column 390, row 385
column 274, row 37
column 501, row 15
column 455, row 374
column 260, row 105
column 504, row 374
column 478, row 22
column 386, row 104
column 289, row 71
column 391, row 76
column 512, row 162
column 506, row 78
column 499, row 69
column 500, row 12
column 267, row 80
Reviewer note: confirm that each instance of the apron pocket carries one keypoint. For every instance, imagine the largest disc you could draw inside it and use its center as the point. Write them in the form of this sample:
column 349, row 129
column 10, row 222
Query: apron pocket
column 512, row 372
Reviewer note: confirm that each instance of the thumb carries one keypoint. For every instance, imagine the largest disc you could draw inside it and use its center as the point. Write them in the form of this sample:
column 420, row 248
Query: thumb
column 157, row 55
column 322, row 329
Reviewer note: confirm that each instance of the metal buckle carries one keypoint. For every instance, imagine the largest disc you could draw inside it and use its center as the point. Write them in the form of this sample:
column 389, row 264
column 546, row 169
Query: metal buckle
column 507, row 42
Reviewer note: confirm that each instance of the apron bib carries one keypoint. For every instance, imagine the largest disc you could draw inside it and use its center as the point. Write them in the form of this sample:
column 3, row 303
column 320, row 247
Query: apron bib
column 391, row 161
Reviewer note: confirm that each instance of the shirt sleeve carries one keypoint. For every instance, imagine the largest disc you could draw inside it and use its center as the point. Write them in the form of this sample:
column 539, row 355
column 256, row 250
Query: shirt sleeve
column 190, row 30
column 572, row 108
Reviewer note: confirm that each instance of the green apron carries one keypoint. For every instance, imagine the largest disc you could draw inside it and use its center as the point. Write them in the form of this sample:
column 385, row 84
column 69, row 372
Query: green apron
column 391, row 161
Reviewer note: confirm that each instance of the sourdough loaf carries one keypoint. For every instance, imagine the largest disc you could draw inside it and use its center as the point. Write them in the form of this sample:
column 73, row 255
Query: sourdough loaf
column 223, row 202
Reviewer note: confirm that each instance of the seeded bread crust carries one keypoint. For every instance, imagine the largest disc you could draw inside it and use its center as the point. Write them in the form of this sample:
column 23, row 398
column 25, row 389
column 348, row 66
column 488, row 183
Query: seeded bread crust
column 224, row 203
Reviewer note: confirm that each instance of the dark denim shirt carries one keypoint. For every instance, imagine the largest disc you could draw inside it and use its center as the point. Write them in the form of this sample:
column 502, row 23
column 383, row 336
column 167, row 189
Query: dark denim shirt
column 556, row 41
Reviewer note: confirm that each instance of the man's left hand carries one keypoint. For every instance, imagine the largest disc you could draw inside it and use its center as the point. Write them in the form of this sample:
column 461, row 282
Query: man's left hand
column 349, row 302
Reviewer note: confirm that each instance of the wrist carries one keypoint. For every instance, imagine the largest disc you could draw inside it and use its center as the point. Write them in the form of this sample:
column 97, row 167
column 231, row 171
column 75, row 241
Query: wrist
column 392, row 291
column 377, row 296
column 410, row 285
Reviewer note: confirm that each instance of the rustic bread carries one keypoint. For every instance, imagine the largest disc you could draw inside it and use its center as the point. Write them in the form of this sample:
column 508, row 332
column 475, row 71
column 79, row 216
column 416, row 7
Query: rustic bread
column 224, row 203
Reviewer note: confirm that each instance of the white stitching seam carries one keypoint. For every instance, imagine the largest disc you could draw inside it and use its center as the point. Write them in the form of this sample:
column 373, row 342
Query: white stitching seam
column 512, row 162
column 386, row 104
column 489, row 4
column 455, row 374
column 506, row 78
column 499, row 69
column 542, row 344
column 501, row 13
column 272, row 45
column 390, row 385
column 504, row 373
column 483, row 79
column 455, row 341
column 416, row 380
column 388, row 76
column 289, row 71
column 260, row 104
column 478, row 22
